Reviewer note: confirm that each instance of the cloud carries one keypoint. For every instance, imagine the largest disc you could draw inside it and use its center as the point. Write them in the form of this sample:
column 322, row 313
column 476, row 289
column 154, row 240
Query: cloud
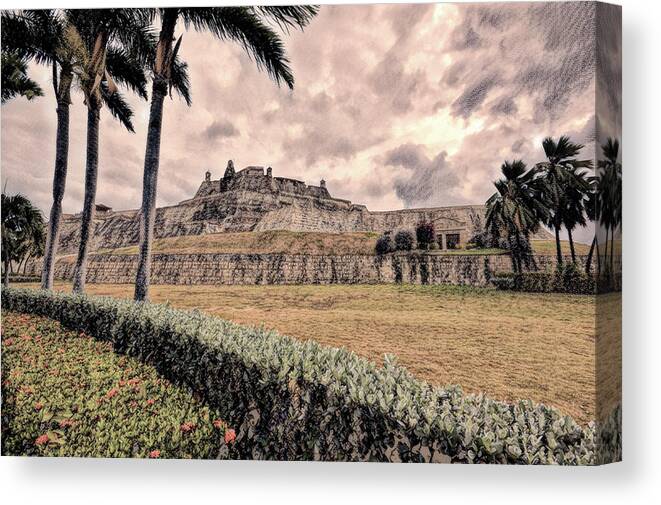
column 424, row 181
column 220, row 129
column 394, row 105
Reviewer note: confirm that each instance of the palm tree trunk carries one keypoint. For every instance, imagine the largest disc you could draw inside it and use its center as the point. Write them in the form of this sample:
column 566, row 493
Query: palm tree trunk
column 571, row 247
column 59, row 178
column 606, row 252
column 612, row 246
column 598, row 257
column 5, row 281
column 150, row 179
column 558, row 248
column 91, row 173
column 588, row 262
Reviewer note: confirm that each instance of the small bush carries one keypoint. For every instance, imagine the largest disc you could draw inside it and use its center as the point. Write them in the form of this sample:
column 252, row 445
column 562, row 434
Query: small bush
column 403, row 240
column 293, row 400
column 567, row 279
column 425, row 234
column 384, row 244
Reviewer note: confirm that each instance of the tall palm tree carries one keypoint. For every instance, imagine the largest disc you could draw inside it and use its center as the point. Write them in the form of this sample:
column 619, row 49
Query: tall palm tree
column 39, row 35
column 15, row 80
column 609, row 193
column 22, row 224
column 114, row 46
column 558, row 174
column 245, row 25
column 577, row 194
column 516, row 211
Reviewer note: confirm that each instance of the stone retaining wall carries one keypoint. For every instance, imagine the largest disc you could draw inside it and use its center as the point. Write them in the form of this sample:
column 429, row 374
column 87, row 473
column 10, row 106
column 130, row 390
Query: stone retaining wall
column 413, row 268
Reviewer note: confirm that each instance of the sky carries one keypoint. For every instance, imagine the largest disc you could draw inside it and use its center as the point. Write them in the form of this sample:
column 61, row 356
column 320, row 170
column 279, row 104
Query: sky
column 394, row 106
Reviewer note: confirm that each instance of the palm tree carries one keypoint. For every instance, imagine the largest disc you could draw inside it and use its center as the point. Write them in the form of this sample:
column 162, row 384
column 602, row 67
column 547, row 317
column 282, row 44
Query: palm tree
column 15, row 80
column 40, row 35
column 113, row 44
column 609, row 193
column 245, row 25
column 558, row 174
column 516, row 210
column 576, row 199
column 22, row 227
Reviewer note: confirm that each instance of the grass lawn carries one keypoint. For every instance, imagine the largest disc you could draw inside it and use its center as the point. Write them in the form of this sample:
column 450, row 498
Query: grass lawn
column 66, row 394
column 508, row 345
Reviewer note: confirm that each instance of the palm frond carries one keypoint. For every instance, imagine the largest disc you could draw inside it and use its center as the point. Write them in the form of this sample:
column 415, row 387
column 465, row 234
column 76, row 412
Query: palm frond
column 127, row 71
column 242, row 25
column 118, row 107
column 288, row 16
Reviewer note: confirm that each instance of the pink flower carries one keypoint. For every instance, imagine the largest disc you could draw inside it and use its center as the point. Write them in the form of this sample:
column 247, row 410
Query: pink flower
column 187, row 426
column 64, row 423
column 155, row 454
column 42, row 440
column 111, row 393
column 230, row 435
column 38, row 406
column 219, row 423
column 151, row 401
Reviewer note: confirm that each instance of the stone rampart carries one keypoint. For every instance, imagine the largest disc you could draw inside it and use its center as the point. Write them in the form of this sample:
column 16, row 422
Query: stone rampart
column 247, row 269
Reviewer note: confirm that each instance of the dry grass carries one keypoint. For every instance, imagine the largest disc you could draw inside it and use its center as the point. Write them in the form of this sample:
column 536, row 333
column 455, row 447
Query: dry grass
column 547, row 247
column 508, row 345
column 264, row 242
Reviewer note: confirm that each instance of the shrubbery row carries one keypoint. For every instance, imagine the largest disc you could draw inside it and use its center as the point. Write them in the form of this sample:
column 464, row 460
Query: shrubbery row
column 567, row 279
column 292, row 400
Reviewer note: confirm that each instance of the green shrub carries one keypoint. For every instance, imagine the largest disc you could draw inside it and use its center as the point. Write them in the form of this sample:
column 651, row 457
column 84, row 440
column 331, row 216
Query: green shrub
column 563, row 280
column 425, row 234
column 384, row 244
column 403, row 240
column 293, row 400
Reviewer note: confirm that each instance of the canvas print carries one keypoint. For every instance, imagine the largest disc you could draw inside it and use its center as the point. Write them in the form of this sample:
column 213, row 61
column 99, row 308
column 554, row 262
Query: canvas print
column 375, row 233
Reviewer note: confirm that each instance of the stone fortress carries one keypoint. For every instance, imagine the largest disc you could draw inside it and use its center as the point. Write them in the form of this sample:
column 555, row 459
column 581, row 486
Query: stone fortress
column 252, row 199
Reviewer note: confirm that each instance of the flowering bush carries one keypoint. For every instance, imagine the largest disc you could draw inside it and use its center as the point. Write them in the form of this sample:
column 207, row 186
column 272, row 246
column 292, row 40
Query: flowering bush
column 293, row 400
column 65, row 394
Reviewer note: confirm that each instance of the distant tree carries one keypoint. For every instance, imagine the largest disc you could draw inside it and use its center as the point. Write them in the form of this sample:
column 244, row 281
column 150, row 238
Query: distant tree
column 558, row 174
column 609, row 193
column 403, row 240
column 577, row 195
column 425, row 234
column 22, row 230
column 384, row 244
column 516, row 211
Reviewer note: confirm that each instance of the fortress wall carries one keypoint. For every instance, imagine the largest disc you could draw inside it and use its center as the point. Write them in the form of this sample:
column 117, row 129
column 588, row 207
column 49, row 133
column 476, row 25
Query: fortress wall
column 248, row 269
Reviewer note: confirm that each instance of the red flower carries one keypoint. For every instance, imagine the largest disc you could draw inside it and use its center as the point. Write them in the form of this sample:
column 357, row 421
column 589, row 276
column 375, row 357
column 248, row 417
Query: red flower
column 187, row 426
column 9, row 341
column 155, row 454
column 230, row 435
column 151, row 401
column 111, row 393
column 64, row 423
column 38, row 406
column 122, row 383
column 219, row 423
column 42, row 440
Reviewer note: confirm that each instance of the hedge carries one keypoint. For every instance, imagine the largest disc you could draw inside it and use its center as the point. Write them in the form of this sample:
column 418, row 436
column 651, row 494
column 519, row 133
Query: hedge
column 293, row 400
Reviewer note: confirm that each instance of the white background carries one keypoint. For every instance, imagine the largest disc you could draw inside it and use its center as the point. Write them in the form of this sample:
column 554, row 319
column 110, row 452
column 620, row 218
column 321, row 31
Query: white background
column 27, row 480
